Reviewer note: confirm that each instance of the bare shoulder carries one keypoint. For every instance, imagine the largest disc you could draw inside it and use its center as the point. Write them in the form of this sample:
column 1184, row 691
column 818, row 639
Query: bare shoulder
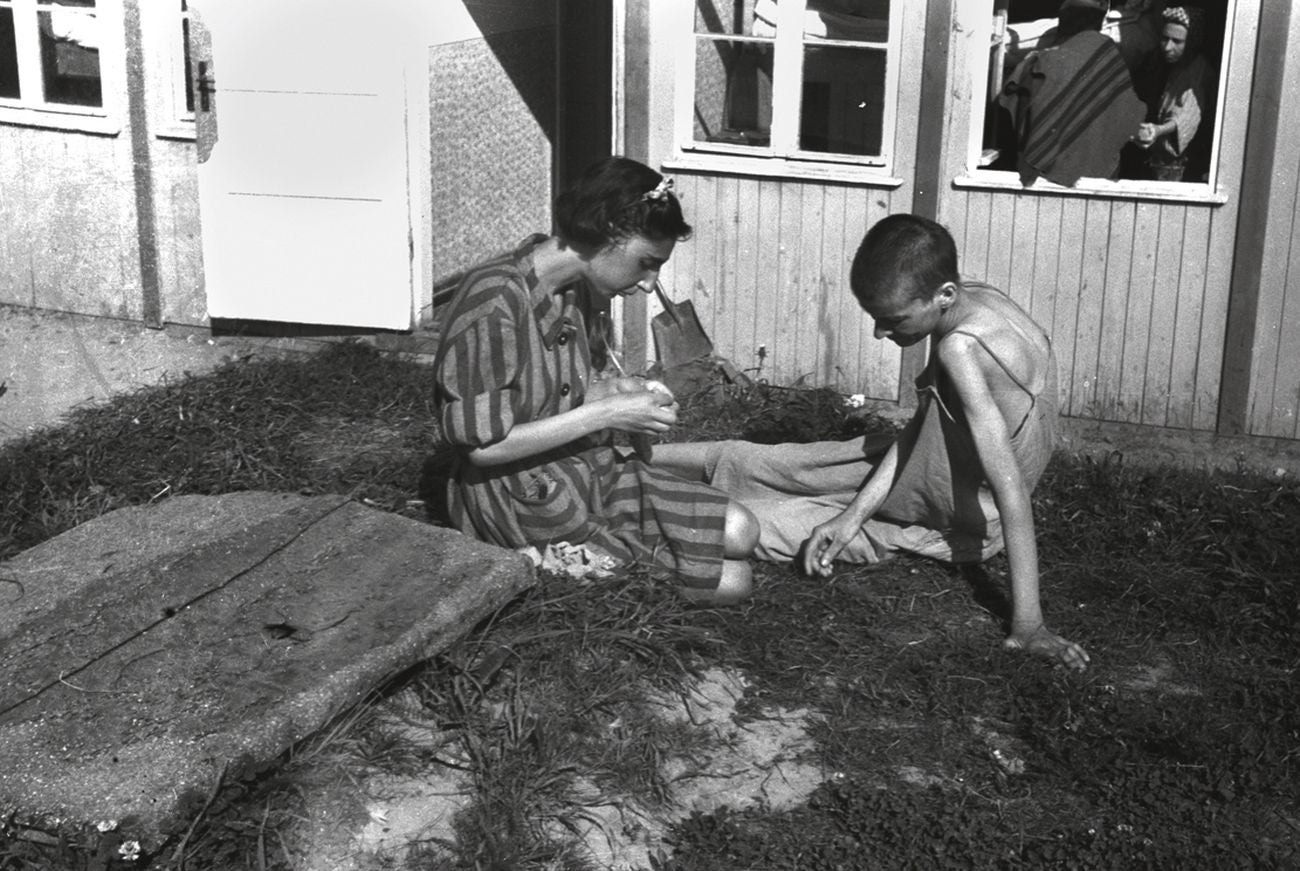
column 999, row 335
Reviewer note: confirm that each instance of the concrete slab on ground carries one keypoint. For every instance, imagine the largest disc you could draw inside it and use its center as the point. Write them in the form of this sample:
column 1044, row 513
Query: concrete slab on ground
column 155, row 652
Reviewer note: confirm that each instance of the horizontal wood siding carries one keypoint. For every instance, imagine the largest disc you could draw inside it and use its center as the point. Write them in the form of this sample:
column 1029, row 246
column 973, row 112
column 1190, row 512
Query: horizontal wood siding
column 1134, row 295
column 768, row 268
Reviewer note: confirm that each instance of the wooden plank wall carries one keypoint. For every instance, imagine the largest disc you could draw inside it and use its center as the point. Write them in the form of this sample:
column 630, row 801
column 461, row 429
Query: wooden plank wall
column 768, row 267
column 1133, row 293
column 1274, row 407
column 769, row 262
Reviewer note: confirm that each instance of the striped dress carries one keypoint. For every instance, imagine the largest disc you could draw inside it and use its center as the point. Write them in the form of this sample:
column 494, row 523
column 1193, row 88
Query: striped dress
column 508, row 355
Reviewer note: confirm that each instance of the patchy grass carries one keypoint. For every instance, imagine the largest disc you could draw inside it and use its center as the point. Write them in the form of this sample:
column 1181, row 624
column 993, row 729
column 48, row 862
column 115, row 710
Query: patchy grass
column 1178, row 748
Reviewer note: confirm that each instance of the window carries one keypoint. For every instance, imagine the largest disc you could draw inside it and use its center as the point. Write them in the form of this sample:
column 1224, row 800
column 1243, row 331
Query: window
column 1181, row 98
column 790, row 80
column 51, row 69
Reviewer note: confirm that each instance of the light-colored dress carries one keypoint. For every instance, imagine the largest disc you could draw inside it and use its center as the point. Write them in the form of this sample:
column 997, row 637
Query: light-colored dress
column 1182, row 101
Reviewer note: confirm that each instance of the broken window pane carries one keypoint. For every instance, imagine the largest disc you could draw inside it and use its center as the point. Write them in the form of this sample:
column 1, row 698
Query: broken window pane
column 69, row 42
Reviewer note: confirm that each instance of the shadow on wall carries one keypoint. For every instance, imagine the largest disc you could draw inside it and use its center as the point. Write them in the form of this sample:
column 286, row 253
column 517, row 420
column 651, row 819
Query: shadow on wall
column 512, row 31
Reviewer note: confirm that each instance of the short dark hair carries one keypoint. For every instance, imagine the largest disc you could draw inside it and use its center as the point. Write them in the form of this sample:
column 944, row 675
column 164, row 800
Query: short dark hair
column 905, row 255
column 607, row 202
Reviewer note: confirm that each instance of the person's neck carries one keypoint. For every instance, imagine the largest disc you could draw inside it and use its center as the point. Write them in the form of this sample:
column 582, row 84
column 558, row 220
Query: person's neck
column 955, row 314
column 556, row 265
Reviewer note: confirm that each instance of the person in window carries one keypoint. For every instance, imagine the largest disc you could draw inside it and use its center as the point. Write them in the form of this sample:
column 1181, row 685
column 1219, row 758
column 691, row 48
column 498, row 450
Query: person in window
column 955, row 485
column 529, row 421
column 1072, row 105
column 1171, row 129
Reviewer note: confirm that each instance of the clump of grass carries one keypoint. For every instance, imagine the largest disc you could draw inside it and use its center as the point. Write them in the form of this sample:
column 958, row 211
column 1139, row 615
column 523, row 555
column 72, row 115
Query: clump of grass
column 347, row 420
column 716, row 409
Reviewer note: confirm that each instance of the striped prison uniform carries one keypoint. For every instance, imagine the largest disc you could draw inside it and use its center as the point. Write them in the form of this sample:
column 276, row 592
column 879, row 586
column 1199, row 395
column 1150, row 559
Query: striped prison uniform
column 510, row 354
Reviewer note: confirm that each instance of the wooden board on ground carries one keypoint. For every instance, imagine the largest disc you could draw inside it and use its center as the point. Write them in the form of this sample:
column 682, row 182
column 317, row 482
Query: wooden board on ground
column 151, row 653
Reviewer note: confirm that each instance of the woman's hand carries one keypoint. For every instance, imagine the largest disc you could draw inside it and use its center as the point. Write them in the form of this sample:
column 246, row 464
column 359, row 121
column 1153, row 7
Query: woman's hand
column 638, row 411
column 826, row 542
column 607, row 387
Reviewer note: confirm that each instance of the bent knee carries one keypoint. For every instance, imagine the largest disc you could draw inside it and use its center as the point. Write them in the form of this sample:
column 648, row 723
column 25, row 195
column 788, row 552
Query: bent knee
column 740, row 531
column 736, row 584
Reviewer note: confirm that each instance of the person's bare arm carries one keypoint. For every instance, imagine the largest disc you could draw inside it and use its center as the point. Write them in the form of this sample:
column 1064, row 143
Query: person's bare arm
column 642, row 411
column 965, row 361
column 830, row 538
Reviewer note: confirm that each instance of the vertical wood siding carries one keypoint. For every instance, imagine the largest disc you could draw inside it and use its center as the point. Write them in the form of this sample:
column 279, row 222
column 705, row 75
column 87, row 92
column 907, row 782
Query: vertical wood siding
column 1274, row 407
column 1134, row 295
column 1134, row 292
column 768, row 267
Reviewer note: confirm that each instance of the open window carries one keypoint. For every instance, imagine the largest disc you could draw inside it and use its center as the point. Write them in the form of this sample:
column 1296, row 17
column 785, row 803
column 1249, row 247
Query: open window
column 1182, row 97
column 52, row 71
column 789, row 81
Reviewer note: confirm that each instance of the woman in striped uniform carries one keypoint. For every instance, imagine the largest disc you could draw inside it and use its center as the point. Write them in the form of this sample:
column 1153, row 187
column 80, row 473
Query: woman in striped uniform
column 517, row 396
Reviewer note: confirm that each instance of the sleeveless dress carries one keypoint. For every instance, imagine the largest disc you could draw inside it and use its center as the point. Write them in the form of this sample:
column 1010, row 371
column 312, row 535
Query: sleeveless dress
column 939, row 505
column 505, row 358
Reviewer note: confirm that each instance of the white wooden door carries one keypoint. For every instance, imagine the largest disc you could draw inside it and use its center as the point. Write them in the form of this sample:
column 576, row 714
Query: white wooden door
column 303, row 173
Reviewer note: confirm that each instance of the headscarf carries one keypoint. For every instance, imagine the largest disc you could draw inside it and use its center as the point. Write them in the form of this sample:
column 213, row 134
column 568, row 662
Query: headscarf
column 1191, row 18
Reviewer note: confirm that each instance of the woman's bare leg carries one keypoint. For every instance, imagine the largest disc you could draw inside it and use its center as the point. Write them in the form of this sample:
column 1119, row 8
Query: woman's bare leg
column 734, row 586
column 741, row 530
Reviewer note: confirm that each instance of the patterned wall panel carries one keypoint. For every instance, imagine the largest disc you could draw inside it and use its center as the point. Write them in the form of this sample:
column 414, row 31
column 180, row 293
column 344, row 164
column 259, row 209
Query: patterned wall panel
column 492, row 121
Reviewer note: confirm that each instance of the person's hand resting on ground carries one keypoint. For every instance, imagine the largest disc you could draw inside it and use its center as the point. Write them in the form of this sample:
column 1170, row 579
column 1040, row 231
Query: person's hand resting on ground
column 1041, row 641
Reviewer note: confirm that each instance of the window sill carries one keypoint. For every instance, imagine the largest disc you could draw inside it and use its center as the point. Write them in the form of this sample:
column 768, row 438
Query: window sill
column 1162, row 191
column 65, row 121
column 176, row 130
column 778, row 167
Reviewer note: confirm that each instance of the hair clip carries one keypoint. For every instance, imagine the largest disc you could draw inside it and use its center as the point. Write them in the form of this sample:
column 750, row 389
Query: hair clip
column 660, row 190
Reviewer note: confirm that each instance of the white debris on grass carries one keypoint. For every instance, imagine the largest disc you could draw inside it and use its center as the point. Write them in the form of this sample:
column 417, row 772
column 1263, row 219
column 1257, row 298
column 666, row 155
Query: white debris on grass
column 578, row 561
column 1005, row 751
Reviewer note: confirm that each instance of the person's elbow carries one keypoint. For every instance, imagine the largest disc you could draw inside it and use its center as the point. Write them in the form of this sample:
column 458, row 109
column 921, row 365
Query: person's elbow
column 486, row 456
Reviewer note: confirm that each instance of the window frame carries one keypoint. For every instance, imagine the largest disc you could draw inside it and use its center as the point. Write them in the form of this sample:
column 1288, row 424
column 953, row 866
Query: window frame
column 782, row 158
column 974, row 177
column 27, row 112
column 175, row 120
